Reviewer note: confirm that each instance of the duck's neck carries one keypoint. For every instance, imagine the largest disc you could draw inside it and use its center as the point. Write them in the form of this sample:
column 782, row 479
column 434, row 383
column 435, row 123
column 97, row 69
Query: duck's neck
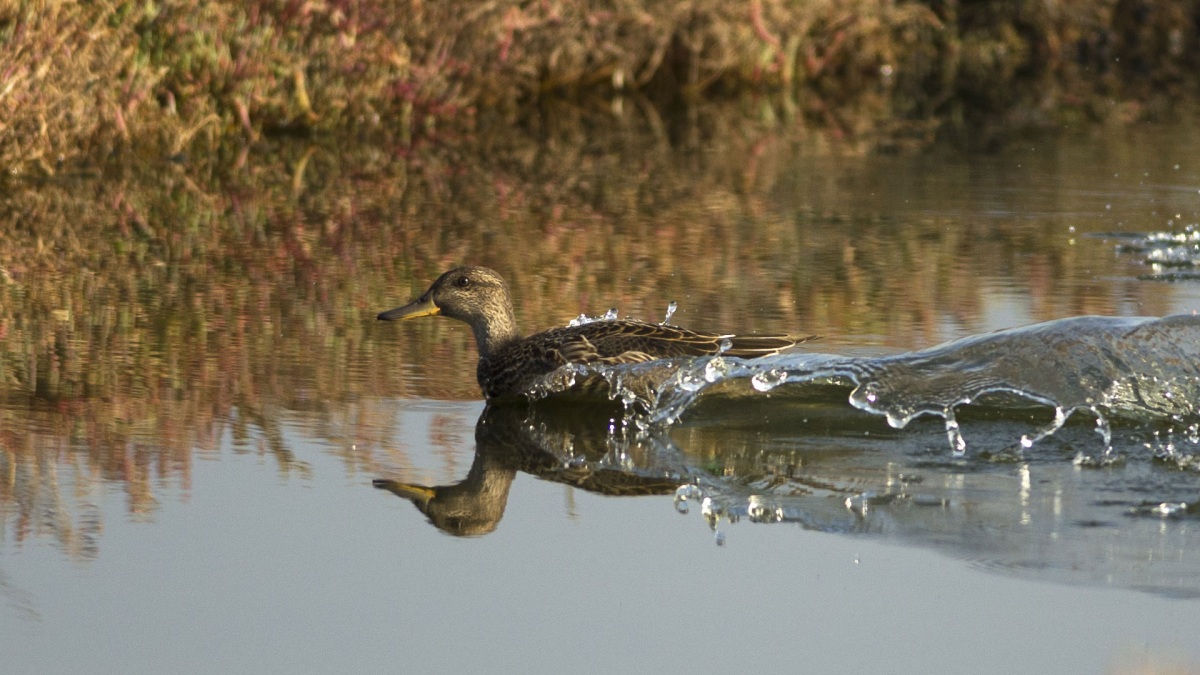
column 497, row 332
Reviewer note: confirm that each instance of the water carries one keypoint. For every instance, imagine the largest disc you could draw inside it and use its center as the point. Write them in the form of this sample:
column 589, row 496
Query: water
column 671, row 309
column 607, row 316
column 212, row 455
column 1169, row 255
column 1143, row 370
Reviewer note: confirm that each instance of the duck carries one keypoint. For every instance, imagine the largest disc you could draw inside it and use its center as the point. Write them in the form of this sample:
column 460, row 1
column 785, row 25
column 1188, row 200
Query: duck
column 511, row 364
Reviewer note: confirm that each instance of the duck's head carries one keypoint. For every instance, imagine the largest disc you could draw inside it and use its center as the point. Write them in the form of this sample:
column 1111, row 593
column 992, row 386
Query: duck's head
column 467, row 509
column 477, row 295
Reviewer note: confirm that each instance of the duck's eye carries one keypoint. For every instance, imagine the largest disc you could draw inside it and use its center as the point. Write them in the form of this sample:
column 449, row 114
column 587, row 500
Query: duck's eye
column 462, row 282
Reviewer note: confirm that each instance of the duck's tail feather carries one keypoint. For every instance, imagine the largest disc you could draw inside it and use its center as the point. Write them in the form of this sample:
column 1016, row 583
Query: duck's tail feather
column 754, row 346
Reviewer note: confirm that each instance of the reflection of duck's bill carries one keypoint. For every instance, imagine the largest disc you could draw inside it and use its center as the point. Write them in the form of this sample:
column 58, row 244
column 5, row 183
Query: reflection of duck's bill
column 419, row 307
column 417, row 493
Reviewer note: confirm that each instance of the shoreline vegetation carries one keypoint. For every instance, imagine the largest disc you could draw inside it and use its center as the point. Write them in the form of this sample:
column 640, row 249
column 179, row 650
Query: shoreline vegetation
column 87, row 82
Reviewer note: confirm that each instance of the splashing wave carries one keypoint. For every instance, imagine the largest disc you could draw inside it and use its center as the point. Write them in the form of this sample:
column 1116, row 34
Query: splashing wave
column 1144, row 370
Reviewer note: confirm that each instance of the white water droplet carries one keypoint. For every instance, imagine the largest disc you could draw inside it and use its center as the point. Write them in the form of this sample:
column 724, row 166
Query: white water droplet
column 756, row 508
column 690, row 381
column 958, row 444
column 716, row 369
column 759, row 511
column 685, row 493
column 859, row 504
column 865, row 396
column 712, row 511
column 671, row 307
column 725, row 345
column 1170, row 509
column 768, row 380
column 610, row 314
column 1103, row 428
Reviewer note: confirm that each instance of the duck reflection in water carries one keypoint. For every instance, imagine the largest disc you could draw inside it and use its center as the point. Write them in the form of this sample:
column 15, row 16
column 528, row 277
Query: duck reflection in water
column 508, row 441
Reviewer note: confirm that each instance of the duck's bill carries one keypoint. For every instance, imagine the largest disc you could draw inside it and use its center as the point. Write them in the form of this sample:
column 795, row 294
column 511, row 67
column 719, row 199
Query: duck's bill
column 418, row 493
column 410, row 311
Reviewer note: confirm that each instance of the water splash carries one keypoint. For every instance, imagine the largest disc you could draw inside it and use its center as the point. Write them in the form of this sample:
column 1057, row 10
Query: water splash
column 1171, row 256
column 671, row 307
column 1168, row 448
column 1108, row 460
column 769, row 379
column 1139, row 369
column 584, row 319
column 759, row 511
column 1142, row 369
column 1060, row 418
column 1166, row 510
column 686, row 494
column 691, row 381
column 958, row 445
column 1104, row 429
column 716, row 369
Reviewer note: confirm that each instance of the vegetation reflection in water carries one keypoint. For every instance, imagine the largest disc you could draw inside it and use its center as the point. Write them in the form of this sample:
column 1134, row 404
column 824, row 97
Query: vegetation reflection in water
column 151, row 312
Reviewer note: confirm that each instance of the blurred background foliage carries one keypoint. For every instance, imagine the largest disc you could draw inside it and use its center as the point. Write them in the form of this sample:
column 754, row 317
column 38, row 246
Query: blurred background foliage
column 96, row 79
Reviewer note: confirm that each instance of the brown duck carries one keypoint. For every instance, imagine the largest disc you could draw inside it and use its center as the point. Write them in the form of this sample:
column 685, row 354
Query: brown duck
column 509, row 363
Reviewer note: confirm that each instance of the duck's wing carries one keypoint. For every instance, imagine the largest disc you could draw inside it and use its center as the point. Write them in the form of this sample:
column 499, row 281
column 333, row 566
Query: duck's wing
column 635, row 341
column 578, row 347
column 512, row 370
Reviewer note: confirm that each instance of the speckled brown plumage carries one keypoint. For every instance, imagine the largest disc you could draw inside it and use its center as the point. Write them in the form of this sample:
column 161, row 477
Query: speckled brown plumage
column 509, row 364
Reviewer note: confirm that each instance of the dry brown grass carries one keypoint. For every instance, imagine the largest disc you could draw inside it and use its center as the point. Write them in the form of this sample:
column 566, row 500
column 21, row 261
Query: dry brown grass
column 86, row 80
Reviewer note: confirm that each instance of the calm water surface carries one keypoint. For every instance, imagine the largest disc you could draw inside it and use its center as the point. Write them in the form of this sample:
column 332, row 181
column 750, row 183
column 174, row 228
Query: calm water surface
column 197, row 400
